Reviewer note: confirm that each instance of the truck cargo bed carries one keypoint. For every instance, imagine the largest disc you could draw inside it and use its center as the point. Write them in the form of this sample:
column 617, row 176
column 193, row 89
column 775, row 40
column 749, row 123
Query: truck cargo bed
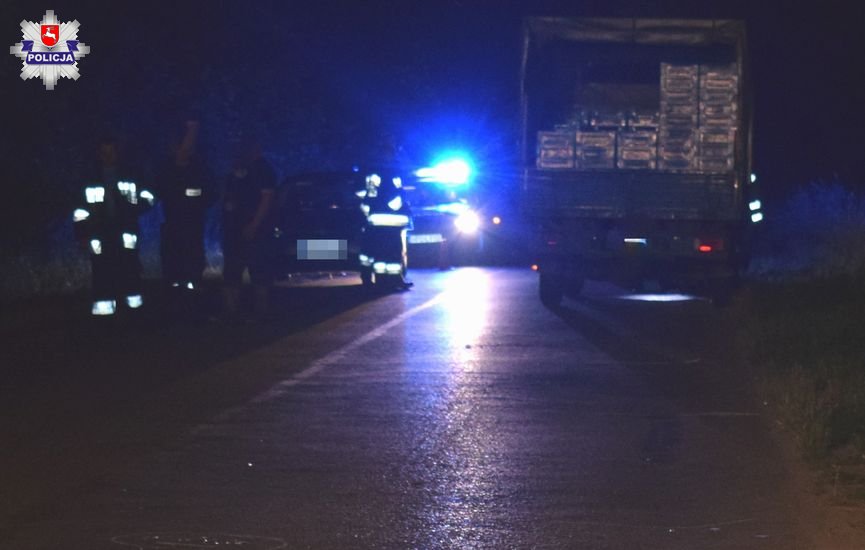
column 631, row 194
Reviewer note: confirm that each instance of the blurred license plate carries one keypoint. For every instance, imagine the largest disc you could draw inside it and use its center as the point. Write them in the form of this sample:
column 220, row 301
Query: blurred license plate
column 425, row 238
column 322, row 249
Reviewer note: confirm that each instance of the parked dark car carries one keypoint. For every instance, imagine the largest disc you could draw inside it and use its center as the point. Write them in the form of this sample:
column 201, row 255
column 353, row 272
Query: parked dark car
column 319, row 222
column 341, row 222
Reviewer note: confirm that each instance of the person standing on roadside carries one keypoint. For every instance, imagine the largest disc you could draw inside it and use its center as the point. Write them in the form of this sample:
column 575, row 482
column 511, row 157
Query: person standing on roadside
column 106, row 223
column 247, row 243
column 184, row 190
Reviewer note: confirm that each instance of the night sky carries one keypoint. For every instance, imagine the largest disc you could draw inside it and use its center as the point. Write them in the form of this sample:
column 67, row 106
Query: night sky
column 322, row 82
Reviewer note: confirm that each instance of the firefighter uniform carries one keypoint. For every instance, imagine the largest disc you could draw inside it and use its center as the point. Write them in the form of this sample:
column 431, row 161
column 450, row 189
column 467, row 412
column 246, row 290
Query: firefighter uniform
column 389, row 219
column 107, row 222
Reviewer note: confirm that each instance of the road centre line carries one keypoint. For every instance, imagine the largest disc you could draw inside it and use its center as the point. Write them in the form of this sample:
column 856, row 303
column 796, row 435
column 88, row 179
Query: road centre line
column 339, row 354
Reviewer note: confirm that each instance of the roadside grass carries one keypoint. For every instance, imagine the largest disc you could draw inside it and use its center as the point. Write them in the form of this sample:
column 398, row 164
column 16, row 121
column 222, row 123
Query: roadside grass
column 807, row 341
column 801, row 325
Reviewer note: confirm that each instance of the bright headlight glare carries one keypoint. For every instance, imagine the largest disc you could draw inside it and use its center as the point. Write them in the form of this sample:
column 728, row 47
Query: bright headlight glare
column 467, row 222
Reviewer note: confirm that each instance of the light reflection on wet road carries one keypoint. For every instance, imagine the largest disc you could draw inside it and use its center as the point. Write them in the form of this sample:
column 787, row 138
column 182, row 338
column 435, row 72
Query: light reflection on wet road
column 480, row 421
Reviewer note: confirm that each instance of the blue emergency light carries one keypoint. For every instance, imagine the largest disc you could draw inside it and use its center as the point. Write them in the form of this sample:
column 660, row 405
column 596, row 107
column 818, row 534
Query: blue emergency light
column 450, row 171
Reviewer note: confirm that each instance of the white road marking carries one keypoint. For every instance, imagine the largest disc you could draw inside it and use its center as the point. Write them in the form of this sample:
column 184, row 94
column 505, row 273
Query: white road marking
column 339, row 354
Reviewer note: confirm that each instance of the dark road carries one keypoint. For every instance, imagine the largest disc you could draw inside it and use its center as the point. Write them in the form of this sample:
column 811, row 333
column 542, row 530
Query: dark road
column 460, row 414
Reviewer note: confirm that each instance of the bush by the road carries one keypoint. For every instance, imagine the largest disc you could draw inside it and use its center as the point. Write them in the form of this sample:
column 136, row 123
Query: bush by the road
column 819, row 232
column 802, row 325
column 807, row 340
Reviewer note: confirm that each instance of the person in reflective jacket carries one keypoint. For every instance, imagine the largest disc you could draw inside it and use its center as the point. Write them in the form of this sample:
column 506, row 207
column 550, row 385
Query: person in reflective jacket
column 384, row 251
column 184, row 191
column 106, row 223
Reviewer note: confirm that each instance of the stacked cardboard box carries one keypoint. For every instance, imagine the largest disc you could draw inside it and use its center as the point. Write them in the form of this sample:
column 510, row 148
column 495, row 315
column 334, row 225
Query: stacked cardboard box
column 637, row 150
column 643, row 120
column 596, row 150
column 719, row 91
column 607, row 120
column 717, row 149
column 555, row 150
column 679, row 117
column 719, row 117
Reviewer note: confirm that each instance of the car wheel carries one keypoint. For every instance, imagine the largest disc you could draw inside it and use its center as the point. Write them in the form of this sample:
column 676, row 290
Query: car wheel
column 367, row 278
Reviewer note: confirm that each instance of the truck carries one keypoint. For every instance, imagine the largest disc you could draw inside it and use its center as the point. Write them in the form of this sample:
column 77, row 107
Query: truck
column 636, row 152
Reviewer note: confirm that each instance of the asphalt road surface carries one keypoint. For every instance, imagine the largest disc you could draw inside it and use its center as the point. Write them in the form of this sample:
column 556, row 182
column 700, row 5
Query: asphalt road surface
column 460, row 414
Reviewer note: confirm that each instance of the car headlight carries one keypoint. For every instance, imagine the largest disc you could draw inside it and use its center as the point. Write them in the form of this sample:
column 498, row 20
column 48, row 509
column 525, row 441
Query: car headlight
column 467, row 222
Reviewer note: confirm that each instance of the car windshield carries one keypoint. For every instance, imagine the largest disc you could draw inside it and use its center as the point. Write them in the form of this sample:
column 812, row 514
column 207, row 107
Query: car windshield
column 319, row 191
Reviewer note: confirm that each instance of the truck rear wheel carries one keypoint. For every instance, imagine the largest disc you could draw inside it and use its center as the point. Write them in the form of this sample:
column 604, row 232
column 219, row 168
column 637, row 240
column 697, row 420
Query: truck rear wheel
column 576, row 286
column 551, row 289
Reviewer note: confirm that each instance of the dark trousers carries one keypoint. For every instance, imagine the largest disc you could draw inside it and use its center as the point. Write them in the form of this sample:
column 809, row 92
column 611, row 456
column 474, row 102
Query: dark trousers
column 256, row 255
column 116, row 273
column 182, row 251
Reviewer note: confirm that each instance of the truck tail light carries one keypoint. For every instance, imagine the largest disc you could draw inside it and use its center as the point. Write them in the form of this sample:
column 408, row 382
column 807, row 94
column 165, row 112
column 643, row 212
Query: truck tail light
column 706, row 246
